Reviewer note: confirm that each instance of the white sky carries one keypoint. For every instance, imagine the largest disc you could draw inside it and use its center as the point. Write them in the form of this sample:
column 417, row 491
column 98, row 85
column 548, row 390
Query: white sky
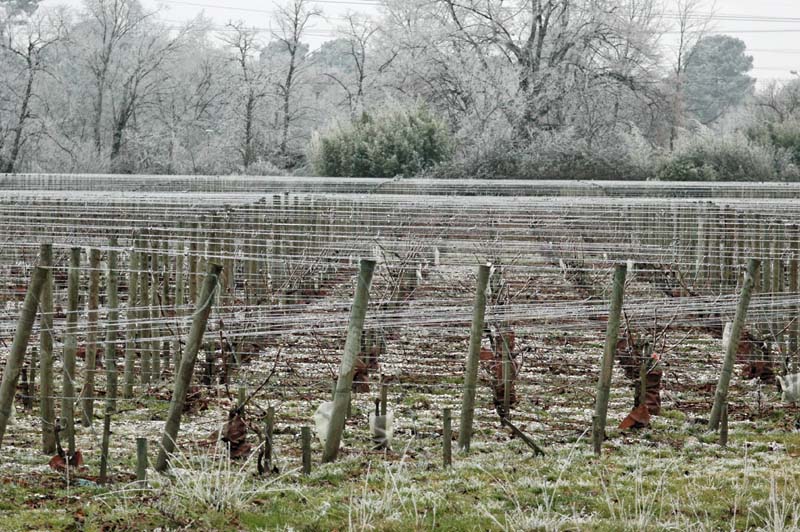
column 774, row 44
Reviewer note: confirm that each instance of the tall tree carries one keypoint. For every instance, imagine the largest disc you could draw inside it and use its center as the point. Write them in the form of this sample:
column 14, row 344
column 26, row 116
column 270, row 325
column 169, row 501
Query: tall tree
column 251, row 79
column 25, row 43
column 109, row 24
column 716, row 77
column 293, row 20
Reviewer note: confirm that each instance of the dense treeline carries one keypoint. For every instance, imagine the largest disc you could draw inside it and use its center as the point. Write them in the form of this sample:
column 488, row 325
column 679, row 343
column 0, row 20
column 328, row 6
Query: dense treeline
column 580, row 89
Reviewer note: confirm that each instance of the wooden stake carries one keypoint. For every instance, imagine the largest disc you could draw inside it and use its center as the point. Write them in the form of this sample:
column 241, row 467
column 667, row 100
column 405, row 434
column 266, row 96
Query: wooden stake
column 47, row 388
column 604, row 381
column 473, row 356
column 70, row 348
column 16, row 355
column 110, row 356
column 91, row 337
column 351, row 348
column 183, row 377
column 141, row 460
column 305, row 433
column 447, row 438
column 721, row 395
column 132, row 316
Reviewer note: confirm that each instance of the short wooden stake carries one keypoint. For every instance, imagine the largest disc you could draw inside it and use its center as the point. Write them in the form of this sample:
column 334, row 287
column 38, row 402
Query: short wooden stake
column 141, row 459
column 351, row 348
column 723, row 430
column 447, row 438
column 305, row 434
column 721, row 395
column 473, row 356
column 604, row 381
column 269, row 427
column 19, row 346
column 183, row 377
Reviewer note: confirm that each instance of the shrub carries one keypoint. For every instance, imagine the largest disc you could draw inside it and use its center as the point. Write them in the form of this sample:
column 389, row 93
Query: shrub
column 728, row 158
column 785, row 135
column 556, row 155
column 402, row 142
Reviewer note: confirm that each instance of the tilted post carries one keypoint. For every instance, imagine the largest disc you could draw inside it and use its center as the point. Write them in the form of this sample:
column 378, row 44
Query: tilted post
column 604, row 381
column 473, row 356
column 183, row 376
column 352, row 347
column 16, row 356
column 721, row 395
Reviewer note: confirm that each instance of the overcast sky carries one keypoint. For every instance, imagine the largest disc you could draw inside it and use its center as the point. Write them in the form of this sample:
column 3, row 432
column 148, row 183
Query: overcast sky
column 770, row 28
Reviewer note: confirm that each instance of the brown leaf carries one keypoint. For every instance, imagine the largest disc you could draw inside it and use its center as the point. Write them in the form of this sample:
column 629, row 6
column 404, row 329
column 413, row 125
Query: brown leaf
column 638, row 418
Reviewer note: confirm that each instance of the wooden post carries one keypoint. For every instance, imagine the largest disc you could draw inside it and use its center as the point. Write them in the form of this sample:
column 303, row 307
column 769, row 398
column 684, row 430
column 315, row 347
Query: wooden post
column 145, row 328
column 110, row 355
column 723, row 430
column 473, row 356
column 141, row 460
column 70, row 348
column 180, row 297
column 269, row 427
column 721, row 395
column 351, row 348
column 47, row 388
column 91, row 337
column 183, row 377
column 305, row 433
column 604, row 381
column 447, row 438
column 507, row 373
column 19, row 346
column 794, row 328
column 384, row 396
column 132, row 316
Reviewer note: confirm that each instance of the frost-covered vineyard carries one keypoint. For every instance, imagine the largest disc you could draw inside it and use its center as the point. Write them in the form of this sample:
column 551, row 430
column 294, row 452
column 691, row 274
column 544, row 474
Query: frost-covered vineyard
column 290, row 251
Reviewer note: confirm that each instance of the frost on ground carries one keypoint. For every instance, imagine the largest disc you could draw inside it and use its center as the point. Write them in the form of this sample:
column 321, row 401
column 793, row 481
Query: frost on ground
column 670, row 476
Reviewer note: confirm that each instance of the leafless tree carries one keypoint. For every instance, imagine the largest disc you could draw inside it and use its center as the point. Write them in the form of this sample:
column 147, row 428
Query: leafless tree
column 293, row 20
column 26, row 44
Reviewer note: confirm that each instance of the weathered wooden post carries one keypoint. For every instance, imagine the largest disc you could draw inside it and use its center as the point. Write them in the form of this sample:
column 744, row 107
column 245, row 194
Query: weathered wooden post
column 473, row 356
column 91, row 337
column 16, row 355
column 794, row 260
column 305, row 433
column 132, row 316
column 269, row 427
column 110, row 355
column 721, row 395
column 141, row 460
column 70, row 348
column 47, row 407
column 610, row 350
column 352, row 346
column 447, row 438
column 183, row 377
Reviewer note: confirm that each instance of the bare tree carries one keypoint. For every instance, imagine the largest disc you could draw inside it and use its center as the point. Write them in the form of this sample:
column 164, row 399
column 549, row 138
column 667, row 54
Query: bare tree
column 357, row 34
column 292, row 22
column 111, row 22
column 141, row 78
column 691, row 27
column 26, row 43
column 252, row 79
